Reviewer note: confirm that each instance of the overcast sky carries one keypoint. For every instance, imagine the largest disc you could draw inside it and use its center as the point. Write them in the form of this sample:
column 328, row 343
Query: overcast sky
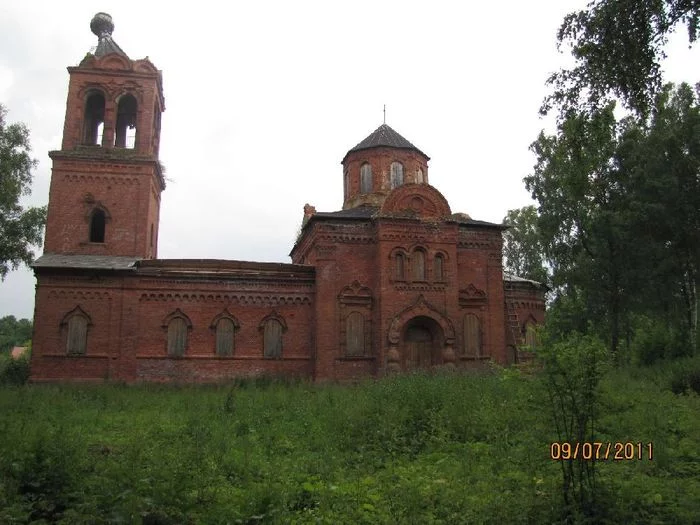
column 263, row 100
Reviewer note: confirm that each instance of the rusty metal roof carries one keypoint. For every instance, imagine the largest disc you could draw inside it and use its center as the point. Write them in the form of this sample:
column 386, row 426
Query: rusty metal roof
column 94, row 262
column 384, row 136
column 359, row 212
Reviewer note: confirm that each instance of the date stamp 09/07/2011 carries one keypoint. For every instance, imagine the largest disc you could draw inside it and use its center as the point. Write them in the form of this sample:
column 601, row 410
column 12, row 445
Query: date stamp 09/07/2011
column 601, row 450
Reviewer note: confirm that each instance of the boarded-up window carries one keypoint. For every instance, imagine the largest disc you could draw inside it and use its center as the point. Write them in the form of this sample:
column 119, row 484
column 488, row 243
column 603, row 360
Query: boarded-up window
column 418, row 265
column 366, row 178
column 400, row 267
column 97, row 226
column 177, row 336
column 420, row 179
column 346, row 182
column 224, row 337
column 530, row 335
column 355, row 334
column 472, row 336
column 396, row 175
column 77, row 335
column 438, row 268
column 272, row 339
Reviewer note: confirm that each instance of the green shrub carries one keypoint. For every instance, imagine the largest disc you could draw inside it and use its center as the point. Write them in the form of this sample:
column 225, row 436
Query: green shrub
column 685, row 376
column 572, row 369
column 462, row 448
column 14, row 371
column 653, row 340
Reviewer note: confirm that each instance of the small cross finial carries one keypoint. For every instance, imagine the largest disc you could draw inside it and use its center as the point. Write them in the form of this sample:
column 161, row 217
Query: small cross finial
column 384, row 113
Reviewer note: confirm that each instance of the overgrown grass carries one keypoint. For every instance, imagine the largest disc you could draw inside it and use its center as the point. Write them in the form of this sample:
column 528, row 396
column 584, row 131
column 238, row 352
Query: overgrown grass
column 417, row 449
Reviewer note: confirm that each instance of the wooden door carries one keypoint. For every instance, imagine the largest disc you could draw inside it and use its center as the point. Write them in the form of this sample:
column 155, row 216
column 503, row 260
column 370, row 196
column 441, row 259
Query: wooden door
column 418, row 348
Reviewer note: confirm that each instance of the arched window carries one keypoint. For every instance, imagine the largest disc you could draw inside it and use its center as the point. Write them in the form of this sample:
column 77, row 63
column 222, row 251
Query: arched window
column 420, row 179
column 366, row 178
column 77, row 335
column 97, row 225
column 177, row 337
column 224, row 336
column 75, row 326
column 355, row 334
column 530, row 334
column 272, row 339
column 400, row 267
column 125, row 132
column 151, row 236
column 94, row 119
column 418, row 265
column 439, row 268
column 346, row 182
column 472, row 336
column 396, row 175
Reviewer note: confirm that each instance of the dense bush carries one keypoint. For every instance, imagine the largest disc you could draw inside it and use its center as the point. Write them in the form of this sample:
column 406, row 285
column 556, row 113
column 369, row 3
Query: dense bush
column 653, row 340
column 14, row 371
column 415, row 449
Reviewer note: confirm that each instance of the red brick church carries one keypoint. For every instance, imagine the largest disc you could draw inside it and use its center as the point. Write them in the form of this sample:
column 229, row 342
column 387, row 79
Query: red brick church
column 394, row 281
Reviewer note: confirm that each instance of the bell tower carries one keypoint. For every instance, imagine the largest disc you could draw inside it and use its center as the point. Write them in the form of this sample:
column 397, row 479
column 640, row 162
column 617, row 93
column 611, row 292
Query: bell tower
column 106, row 179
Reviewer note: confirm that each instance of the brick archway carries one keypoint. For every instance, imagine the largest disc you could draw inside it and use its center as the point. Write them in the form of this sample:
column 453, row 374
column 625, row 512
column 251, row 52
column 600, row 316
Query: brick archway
column 421, row 344
column 421, row 314
column 420, row 308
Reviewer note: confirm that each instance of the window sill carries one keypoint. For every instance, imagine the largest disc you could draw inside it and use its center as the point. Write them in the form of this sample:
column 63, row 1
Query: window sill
column 356, row 358
column 79, row 356
column 474, row 357
column 224, row 357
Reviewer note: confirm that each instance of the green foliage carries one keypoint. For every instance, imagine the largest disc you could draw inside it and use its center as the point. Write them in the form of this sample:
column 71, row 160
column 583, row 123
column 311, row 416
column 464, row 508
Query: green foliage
column 416, row 449
column 654, row 340
column 618, row 46
column 20, row 229
column 14, row 332
column 522, row 245
column 685, row 376
column 571, row 371
column 582, row 217
column 14, row 371
column 619, row 217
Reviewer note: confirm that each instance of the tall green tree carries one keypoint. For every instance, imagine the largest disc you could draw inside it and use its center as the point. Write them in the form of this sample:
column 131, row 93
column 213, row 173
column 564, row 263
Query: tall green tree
column 619, row 214
column 581, row 190
column 618, row 46
column 522, row 248
column 20, row 228
column 667, row 191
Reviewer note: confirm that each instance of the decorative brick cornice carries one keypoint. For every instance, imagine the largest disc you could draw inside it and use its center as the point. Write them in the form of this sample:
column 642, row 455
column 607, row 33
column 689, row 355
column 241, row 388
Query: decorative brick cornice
column 420, row 286
column 471, row 295
column 128, row 180
column 79, row 295
column 229, row 298
column 355, row 294
column 531, row 304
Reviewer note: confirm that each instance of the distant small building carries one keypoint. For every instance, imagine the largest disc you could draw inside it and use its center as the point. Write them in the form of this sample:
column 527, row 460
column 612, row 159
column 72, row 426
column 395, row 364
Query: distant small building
column 18, row 352
column 392, row 282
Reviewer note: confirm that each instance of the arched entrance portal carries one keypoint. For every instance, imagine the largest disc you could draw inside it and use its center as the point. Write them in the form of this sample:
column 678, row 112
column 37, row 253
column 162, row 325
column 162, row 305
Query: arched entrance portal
column 422, row 344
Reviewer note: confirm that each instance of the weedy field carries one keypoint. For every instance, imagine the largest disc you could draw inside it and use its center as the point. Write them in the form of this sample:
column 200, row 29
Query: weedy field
column 412, row 449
